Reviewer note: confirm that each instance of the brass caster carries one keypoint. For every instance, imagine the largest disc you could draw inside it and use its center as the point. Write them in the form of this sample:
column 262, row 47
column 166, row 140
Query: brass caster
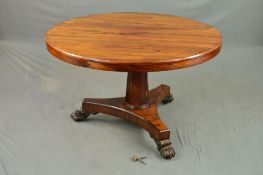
column 168, row 99
column 165, row 148
column 80, row 115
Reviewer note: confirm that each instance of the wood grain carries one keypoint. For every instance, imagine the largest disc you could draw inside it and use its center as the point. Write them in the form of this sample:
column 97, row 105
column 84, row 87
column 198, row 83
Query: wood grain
column 147, row 118
column 133, row 42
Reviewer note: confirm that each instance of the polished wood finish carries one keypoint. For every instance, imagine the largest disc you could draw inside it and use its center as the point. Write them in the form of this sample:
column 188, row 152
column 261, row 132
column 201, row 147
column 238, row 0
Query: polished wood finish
column 137, row 90
column 133, row 42
column 136, row 43
column 145, row 117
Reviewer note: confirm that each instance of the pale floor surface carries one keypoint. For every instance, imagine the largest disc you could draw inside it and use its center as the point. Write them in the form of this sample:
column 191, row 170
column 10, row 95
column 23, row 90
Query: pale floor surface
column 216, row 119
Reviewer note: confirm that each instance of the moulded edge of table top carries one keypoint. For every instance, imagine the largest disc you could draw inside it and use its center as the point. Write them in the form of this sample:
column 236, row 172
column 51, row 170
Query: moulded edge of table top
column 140, row 67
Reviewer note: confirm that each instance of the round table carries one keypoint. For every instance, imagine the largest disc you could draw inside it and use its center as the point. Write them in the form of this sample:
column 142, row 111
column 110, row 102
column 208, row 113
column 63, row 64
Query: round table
column 136, row 43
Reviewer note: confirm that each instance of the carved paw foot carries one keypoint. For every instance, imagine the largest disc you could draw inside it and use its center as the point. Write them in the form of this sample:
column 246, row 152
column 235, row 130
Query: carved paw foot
column 80, row 115
column 168, row 99
column 165, row 148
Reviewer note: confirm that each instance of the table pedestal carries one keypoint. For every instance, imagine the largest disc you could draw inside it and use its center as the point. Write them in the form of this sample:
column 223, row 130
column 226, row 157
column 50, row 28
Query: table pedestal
column 139, row 107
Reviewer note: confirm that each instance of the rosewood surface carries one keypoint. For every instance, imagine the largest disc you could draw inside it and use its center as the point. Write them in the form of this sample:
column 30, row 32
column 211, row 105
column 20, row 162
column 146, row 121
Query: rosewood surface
column 136, row 43
column 133, row 42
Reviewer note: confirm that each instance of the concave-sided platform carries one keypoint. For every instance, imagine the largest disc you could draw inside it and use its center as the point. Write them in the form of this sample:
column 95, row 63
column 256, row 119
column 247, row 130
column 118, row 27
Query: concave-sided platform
column 138, row 107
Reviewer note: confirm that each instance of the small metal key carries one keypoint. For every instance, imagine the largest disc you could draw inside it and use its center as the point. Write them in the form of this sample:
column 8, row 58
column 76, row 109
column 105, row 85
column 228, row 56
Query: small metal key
column 137, row 158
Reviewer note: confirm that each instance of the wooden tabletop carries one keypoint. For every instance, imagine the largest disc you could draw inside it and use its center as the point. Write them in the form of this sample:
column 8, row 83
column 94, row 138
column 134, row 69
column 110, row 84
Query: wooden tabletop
column 133, row 42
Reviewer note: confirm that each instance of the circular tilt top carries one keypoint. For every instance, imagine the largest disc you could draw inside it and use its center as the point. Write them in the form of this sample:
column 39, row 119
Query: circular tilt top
column 133, row 42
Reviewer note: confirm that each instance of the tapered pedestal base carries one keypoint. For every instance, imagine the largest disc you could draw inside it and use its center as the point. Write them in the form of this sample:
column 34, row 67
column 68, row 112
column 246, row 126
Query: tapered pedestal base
column 141, row 111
